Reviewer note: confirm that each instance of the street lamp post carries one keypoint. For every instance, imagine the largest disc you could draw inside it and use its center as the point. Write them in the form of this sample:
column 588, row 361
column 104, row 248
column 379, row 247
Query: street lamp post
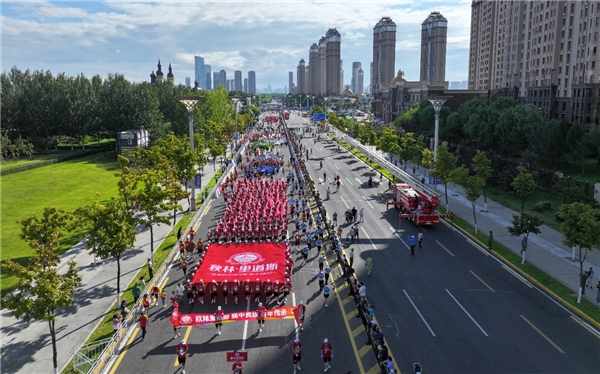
column 190, row 103
column 236, row 100
column 437, row 103
column 353, row 101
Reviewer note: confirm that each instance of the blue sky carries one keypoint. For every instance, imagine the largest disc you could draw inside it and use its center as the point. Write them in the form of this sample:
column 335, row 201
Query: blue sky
column 269, row 37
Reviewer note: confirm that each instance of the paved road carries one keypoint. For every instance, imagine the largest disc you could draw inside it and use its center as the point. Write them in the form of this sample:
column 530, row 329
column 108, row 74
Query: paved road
column 452, row 307
column 269, row 351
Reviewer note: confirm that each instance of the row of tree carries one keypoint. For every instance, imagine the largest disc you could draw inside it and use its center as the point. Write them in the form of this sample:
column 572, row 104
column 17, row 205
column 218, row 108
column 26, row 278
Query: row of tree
column 44, row 109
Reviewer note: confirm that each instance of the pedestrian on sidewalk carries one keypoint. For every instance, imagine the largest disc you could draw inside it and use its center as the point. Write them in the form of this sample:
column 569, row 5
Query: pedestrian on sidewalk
column 414, row 167
column 590, row 278
column 117, row 318
column 420, row 238
column 524, row 245
column 490, row 240
column 351, row 256
column 136, row 292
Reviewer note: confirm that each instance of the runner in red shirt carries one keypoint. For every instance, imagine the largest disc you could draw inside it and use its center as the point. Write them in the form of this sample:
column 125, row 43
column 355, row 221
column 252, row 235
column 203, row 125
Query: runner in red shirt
column 182, row 351
column 261, row 314
column 297, row 238
column 236, row 290
column 302, row 309
column 201, row 292
column 219, row 319
column 225, row 287
column 257, row 291
column 327, row 353
column 213, row 292
column 143, row 319
column 181, row 249
column 296, row 354
column 269, row 290
column 237, row 367
column 247, row 289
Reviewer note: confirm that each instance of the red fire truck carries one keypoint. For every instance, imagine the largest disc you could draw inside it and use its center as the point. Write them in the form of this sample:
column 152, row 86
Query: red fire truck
column 286, row 114
column 417, row 204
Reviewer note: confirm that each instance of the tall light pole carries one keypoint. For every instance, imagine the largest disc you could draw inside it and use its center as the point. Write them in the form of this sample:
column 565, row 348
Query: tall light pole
column 190, row 103
column 236, row 100
column 437, row 103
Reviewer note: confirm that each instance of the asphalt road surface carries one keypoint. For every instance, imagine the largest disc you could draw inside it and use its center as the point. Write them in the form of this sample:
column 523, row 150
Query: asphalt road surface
column 451, row 306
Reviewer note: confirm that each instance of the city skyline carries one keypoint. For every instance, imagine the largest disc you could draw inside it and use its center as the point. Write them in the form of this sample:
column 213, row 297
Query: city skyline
column 128, row 38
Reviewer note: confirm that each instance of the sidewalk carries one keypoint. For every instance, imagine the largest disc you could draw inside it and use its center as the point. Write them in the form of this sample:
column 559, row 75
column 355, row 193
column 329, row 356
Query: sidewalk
column 27, row 348
column 546, row 250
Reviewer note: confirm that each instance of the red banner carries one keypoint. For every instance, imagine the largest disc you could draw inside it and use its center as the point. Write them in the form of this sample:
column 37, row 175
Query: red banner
column 237, row 356
column 198, row 319
column 227, row 262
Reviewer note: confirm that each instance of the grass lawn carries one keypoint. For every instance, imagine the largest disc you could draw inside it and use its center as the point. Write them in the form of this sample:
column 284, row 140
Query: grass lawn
column 68, row 185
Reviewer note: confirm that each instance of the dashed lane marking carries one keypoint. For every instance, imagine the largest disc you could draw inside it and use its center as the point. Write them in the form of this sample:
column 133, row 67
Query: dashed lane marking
column 541, row 333
column 349, row 181
column 441, row 245
column 367, row 201
column 124, row 351
column 467, row 313
column 481, row 280
column 478, row 247
column 593, row 332
column 517, row 276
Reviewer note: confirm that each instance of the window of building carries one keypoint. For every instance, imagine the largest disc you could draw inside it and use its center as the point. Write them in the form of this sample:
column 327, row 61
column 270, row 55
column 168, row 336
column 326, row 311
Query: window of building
column 129, row 141
column 596, row 35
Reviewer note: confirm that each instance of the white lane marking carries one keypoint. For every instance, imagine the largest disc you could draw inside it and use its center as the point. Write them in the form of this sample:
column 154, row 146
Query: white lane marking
column 245, row 327
column 349, row 181
column 347, row 206
column 398, row 236
column 467, row 313
column 358, row 180
column 295, row 323
column 336, row 166
column 419, row 313
column 368, row 202
column 367, row 235
column 477, row 246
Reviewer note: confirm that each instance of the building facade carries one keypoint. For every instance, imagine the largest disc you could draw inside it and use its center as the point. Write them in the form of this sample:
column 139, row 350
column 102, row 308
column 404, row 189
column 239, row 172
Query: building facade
column 361, row 81
column 208, row 75
column 354, row 79
column 300, row 77
column 540, row 53
column 216, row 82
column 384, row 54
column 322, row 69
column 223, row 79
column 200, row 72
column 252, row 82
column 313, row 67
column 188, row 82
column 237, row 77
column 434, row 31
column 332, row 62
column 291, row 82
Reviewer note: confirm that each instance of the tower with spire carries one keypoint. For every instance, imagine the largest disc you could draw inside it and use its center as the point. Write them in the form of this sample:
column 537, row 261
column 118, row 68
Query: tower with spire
column 170, row 76
column 152, row 77
column 159, row 73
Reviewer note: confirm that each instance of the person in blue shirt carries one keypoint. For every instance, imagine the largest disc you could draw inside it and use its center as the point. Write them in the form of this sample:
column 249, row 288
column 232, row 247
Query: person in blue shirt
column 321, row 278
column 334, row 218
column 319, row 244
column 326, row 291
column 303, row 227
column 310, row 221
column 321, row 263
column 411, row 243
column 305, row 251
column 327, row 272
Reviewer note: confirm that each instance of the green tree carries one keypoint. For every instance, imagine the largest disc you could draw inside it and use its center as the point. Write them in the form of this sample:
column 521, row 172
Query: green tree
column 111, row 231
column 443, row 168
column 409, row 146
column 388, row 141
column 547, row 144
column 40, row 288
column 578, row 149
column 481, row 167
column 523, row 184
column 581, row 228
column 427, row 159
column 524, row 224
column 472, row 184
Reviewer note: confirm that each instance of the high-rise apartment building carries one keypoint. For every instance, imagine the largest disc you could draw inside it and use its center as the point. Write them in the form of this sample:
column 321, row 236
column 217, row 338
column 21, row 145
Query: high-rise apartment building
column 384, row 54
column 434, row 32
column 322, row 69
column 341, row 87
column 306, row 79
column 291, row 82
column 252, row 82
column 216, row 82
column 332, row 62
column 313, row 67
column 237, row 77
column 354, row 79
column 300, row 77
column 543, row 53
column 200, row 71
column 246, row 85
column 188, row 82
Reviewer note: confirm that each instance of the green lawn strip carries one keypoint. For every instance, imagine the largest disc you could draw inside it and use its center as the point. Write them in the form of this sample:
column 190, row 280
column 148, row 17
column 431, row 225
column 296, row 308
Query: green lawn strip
column 105, row 328
column 67, row 185
column 559, row 290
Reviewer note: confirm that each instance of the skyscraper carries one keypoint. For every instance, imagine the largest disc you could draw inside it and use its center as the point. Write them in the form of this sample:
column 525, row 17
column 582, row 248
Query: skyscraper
column 433, row 48
column 322, row 69
column 291, row 82
column 216, row 82
column 245, row 84
column 237, row 76
column 223, row 79
column 251, row 82
column 188, row 82
column 384, row 54
column 341, row 88
column 354, row 81
column 313, row 67
column 208, row 74
column 200, row 72
column 300, row 77
column 332, row 62
column 543, row 53
column 361, row 78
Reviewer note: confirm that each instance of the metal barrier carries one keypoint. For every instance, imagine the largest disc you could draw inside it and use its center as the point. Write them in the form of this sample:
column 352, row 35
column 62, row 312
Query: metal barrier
column 85, row 357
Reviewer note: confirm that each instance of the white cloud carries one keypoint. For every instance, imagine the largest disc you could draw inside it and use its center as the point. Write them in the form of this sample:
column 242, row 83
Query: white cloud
column 269, row 37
